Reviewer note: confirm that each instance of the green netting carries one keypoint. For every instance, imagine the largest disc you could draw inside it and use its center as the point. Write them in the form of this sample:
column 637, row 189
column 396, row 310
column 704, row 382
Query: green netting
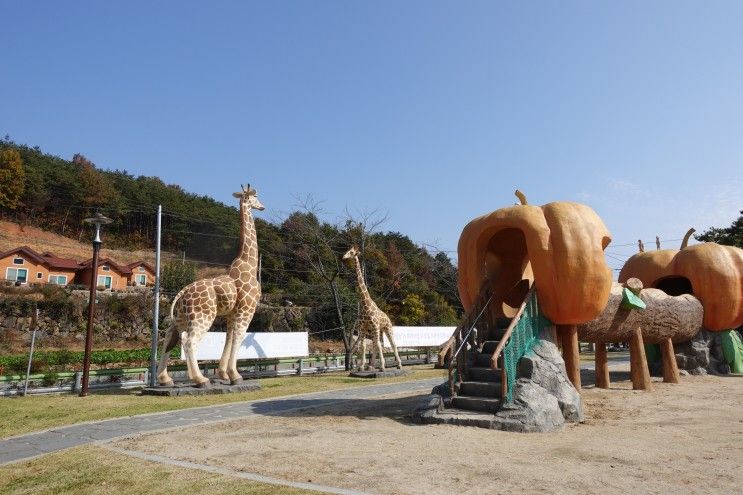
column 732, row 349
column 527, row 330
column 652, row 353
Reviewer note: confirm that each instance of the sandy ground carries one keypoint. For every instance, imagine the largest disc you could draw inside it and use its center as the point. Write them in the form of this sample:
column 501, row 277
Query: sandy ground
column 685, row 438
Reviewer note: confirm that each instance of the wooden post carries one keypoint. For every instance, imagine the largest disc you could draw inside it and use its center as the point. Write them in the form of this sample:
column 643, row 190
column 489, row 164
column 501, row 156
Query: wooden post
column 570, row 353
column 639, row 363
column 668, row 356
column 602, row 366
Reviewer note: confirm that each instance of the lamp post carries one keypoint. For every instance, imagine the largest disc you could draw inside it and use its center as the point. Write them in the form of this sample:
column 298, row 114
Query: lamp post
column 97, row 220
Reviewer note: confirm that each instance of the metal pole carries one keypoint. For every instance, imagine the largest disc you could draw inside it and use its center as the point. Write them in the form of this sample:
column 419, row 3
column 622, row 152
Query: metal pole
column 156, row 309
column 91, row 315
column 31, row 353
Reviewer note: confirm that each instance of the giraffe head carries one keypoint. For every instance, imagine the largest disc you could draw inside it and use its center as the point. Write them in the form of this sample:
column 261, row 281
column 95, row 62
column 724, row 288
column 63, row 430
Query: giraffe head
column 249, row 198
column 351, row 253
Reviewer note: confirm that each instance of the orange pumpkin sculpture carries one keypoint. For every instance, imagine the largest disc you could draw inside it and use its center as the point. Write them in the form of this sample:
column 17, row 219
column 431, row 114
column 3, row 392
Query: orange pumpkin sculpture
column 711, row 272
column 558, row 246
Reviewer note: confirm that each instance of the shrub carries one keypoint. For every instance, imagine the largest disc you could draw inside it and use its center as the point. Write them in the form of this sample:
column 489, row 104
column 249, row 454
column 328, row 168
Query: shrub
column 50, row 378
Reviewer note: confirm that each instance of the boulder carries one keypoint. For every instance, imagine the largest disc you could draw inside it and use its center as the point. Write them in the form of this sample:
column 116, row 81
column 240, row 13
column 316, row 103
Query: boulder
column 702, row 355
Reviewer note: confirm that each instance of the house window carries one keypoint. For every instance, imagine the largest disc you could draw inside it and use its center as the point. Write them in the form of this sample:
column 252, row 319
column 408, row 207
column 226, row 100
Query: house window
column 104, row 281
column 105, row 268
column 39, row 275
column 17, row 261
column 140, row 279
column 17, row 275
column 58, row 279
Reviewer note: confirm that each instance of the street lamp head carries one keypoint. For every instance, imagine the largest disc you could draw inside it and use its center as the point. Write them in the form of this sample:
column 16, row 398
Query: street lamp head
column 98, row 220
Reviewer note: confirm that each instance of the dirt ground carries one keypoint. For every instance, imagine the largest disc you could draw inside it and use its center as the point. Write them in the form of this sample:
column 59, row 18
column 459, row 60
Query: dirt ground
column 685, row 438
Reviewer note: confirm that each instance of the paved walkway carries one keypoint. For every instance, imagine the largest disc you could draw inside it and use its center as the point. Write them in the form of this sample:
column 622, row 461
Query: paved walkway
column 24, row 447
column 613, row 362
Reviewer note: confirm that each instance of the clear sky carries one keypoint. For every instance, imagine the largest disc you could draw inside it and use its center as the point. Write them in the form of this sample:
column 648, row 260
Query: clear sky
column 432, row 112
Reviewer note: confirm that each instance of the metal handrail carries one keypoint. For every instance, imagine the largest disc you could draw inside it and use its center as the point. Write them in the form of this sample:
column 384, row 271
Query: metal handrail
column 458, row 335
column 472, row 327
column 446, row 347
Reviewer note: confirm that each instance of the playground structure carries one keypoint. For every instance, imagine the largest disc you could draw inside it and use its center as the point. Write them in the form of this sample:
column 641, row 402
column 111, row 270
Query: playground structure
column 650, row 317
column 710, row 272
column 522, row 269
column 515, row 256
column 234, row 295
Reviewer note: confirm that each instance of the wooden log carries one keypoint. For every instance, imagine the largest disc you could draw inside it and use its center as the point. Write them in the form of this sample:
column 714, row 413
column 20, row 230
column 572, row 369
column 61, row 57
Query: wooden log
column 602, row 366
column 571, row 353
column 639, row 363
column 677, row 317
column 670, row 367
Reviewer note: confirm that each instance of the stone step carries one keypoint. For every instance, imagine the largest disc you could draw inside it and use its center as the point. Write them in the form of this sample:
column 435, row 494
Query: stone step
column 483, row 360
column 463, row 417
column 483, row 374
column 481, row 404
column 480, row 389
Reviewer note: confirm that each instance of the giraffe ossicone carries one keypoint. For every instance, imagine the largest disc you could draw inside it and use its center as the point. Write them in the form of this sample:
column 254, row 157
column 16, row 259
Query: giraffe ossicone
column 372, row 322
column 234, row 296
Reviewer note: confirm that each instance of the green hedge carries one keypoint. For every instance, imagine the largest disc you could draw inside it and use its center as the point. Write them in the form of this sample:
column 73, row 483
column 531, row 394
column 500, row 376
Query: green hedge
column 46, row 360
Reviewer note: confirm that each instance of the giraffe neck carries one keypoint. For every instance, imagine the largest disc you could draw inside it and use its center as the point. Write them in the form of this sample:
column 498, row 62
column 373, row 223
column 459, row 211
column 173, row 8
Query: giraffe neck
column 248, row 252
column 363, row 291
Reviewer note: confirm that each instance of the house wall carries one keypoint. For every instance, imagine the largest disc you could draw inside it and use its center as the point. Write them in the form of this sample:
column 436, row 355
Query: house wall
column 118, row 281
column 33, row 270
column 135, row 271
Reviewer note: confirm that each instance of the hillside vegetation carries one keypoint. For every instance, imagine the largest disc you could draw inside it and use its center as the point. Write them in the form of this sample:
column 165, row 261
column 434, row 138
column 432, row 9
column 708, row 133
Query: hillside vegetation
column 300, row 255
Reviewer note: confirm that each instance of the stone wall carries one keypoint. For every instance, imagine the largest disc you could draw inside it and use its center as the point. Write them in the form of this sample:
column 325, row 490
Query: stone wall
column 118, row 317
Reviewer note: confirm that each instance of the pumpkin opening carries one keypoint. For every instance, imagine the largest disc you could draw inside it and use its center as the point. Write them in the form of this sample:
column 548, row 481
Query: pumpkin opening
column 674, row 285
column 509, row 271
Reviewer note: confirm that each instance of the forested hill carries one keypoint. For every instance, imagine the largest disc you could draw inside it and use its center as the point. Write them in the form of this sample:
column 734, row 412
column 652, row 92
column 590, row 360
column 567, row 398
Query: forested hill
column 300, row 256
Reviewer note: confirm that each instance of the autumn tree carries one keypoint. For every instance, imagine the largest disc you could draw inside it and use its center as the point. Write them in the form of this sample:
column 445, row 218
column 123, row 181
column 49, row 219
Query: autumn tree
column 12, row 178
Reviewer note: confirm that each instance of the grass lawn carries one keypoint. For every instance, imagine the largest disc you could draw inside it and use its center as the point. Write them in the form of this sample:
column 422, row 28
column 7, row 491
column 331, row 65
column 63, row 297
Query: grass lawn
column 20, row 415
column 94, row 470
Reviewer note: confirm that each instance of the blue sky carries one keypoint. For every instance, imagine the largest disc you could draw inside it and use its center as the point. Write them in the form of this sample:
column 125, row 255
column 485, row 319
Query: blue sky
column 431, row 112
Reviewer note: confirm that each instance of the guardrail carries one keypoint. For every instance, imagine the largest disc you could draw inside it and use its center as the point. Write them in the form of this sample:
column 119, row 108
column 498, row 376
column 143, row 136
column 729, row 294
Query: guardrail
column 69, row 381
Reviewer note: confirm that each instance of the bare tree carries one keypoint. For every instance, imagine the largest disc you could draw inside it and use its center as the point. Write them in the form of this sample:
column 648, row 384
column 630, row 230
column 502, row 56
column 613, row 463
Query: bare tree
column 320, row 246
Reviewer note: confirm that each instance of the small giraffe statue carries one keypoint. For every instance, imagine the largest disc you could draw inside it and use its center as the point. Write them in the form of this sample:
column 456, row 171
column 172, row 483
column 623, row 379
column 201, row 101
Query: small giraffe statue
column 234, row 296
column 372, row 321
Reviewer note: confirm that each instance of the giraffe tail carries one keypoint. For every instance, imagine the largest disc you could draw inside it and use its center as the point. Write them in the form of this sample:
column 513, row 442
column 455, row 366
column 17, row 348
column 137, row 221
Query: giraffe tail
column 175, row 300
column 172, row 337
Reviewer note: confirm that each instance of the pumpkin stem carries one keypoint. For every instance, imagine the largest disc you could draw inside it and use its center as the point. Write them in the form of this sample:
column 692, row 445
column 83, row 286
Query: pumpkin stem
column 640, row 246
column 521, row 197
column 657, row 243
column 686, row 238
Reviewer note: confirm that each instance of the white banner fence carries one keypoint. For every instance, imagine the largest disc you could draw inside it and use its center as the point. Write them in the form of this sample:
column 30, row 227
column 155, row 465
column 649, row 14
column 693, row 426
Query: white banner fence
column 261, row 345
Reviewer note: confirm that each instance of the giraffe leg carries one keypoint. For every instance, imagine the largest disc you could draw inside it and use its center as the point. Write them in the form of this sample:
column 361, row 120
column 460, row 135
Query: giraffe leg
column 190, row 340
column 237, row 339
column 239, row 329
column 362, row 366
column 390, row 336
column 378, row 343
column 373, row 360
column 224, row 361
column 163, row 378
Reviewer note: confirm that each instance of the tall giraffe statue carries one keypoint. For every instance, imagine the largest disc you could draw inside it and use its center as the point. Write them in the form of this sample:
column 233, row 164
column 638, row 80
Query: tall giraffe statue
column 234, row 296
column 372, row 321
